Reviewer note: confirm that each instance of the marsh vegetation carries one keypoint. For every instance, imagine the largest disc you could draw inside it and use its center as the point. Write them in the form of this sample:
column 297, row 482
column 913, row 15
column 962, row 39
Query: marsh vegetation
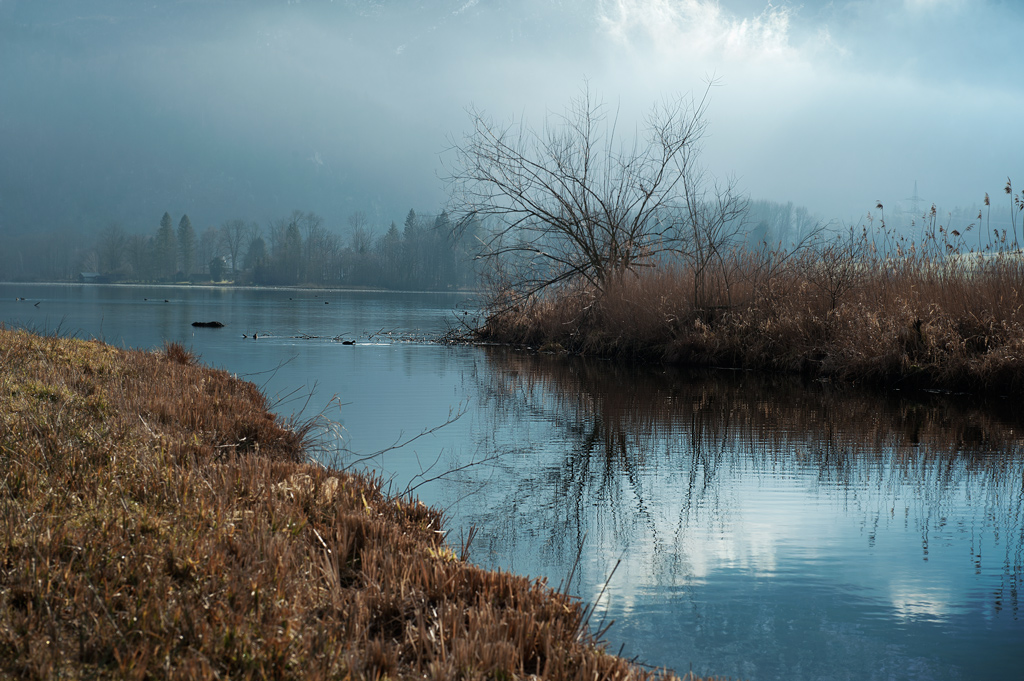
column 908, row 321
column 158, row 521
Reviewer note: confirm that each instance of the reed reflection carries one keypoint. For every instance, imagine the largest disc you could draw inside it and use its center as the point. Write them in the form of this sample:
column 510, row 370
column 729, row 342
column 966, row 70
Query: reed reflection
column 689, row 477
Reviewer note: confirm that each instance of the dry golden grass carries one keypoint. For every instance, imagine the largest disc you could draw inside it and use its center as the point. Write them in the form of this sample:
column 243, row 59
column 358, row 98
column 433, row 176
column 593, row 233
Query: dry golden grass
column 912, row 321
column 157, row 521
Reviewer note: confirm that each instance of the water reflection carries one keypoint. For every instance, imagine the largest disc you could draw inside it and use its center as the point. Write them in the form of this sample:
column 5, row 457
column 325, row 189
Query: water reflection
column 756, row 518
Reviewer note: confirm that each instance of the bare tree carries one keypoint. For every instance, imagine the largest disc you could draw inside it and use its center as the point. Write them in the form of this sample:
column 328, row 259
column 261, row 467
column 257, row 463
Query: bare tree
column 709, row 221
column 573, row 201
column 233, row 234
column 253, row 233
column 357, row 220
column 320, row 246
column 112, row 245
column 361, row 239
column 137, row 251
column 209, row 247
column 835, row 264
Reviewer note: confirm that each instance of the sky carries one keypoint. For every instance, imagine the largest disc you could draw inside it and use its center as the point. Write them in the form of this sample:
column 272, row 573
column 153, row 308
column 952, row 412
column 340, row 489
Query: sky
column 118, row 110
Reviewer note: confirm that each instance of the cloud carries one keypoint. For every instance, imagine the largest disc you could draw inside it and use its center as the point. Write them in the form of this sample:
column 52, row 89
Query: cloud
column 698, row 26
column 828, row 104
column 833, row 104
column 934, row 5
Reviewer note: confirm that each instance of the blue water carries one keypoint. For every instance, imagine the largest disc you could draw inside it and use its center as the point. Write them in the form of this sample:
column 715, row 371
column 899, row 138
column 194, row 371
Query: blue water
column 732, row 524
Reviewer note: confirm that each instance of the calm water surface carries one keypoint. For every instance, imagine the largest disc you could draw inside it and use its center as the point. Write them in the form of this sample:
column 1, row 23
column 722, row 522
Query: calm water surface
column 730, row 523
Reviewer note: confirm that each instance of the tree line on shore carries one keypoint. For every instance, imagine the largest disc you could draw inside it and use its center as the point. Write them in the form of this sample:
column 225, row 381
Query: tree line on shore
column 299, row 249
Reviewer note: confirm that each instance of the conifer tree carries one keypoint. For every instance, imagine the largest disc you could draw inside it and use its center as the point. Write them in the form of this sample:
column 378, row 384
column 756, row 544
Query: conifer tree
column 293, row 251
column 389, row 247
column 186, row 246
column 410, row 225
column 412, row 264
column 165, row 251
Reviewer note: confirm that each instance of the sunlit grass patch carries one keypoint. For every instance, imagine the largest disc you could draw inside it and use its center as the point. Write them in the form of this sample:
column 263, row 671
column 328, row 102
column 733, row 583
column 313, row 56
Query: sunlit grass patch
column 157, row 520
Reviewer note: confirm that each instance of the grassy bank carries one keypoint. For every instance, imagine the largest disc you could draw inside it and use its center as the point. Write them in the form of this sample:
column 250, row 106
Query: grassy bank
column 840, row 311
column 157, row 521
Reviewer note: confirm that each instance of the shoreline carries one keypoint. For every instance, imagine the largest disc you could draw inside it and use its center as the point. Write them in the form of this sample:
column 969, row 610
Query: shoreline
column 160, row 521
column 251, row 287
column 951, row 331
column 809, row 368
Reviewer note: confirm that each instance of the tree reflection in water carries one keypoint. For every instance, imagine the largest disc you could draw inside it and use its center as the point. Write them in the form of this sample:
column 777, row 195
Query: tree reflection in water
column 904, row 509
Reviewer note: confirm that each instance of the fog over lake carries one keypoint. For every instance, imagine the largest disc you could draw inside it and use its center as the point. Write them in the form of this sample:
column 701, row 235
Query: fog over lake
column 116, row 111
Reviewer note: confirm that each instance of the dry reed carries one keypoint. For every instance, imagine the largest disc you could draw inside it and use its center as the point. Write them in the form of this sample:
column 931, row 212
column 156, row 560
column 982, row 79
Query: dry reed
column 157, row 521
column 914, row 320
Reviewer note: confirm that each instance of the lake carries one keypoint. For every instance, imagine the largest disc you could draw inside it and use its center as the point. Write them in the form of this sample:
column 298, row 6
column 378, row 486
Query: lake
column 728, row 522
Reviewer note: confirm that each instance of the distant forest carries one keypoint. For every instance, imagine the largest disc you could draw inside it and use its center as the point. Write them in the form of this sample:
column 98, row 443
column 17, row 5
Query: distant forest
column 423, row 254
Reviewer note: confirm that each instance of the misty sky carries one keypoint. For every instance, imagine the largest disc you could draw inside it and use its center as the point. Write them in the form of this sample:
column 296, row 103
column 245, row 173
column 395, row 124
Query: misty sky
column 119, row 110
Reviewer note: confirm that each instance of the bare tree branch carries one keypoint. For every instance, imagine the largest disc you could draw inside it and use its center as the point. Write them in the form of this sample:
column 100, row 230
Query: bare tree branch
column 572, row 201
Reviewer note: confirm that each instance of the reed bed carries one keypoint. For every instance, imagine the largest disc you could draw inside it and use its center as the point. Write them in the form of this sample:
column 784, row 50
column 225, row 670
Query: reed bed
column 157, row 521
column 842, row 312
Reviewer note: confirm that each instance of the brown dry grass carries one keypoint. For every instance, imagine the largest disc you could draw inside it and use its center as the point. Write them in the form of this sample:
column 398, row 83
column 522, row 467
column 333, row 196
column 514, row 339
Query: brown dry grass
column 157, row 521
column 911, row 321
